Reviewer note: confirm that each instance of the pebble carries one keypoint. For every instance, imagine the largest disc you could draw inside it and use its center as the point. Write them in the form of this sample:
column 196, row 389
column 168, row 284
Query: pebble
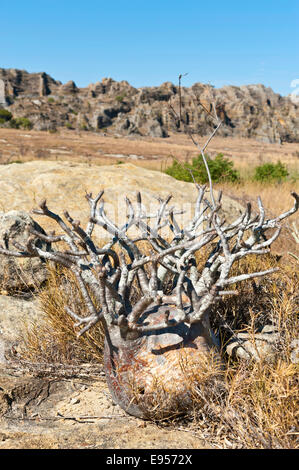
column 74, row 401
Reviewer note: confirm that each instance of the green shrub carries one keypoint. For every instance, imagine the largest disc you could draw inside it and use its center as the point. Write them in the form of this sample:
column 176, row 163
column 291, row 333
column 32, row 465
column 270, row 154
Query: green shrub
column 21, row 123
column 51, row 100
column 121, row 97
column 221, row 169
column 5, row 116
column 270, row 172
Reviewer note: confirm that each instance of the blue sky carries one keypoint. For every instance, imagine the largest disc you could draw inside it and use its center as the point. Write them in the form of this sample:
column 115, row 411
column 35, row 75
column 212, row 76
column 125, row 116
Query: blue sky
column 150, row 42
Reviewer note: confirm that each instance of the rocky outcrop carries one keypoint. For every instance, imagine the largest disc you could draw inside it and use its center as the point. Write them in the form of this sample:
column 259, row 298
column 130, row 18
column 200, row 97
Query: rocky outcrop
column 64, row 185
column 60, row 410
column 19, row 274
column 69, row 87
column 262, row 345
column 251, row 111
column 24, row 84
column 16, row 317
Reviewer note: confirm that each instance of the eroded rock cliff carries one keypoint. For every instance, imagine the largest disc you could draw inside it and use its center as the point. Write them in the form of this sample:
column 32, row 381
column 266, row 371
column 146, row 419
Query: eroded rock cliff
column 252, row 111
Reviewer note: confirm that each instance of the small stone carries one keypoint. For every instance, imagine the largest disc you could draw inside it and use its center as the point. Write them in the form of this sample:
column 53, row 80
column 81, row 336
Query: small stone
column 75, row 401
column 142, row 424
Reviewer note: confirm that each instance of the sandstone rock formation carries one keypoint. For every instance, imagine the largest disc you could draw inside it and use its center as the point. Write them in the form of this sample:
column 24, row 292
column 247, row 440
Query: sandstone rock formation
column 251, row 111
column 74, row 411
column 19, row 274
column 64, row 185
column 16, row 315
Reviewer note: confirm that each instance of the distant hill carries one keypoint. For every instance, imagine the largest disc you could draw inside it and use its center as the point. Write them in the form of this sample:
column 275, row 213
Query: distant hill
column 251, row 111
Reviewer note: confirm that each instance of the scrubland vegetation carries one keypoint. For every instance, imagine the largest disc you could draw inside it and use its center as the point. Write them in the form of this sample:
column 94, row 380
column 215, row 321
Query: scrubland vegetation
column 7, row 120
column 222, row 170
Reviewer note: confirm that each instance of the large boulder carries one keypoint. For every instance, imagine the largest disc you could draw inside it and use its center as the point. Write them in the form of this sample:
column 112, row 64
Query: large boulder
column 19, row 274
column 64, row 185
column 16, row 315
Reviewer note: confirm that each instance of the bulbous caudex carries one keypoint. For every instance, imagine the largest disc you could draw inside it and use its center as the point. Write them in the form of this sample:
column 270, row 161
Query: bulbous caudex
column 157, row 339
column 152, row 366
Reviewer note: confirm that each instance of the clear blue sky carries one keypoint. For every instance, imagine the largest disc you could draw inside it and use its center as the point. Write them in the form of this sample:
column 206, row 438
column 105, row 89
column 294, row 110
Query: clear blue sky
column 150, row 42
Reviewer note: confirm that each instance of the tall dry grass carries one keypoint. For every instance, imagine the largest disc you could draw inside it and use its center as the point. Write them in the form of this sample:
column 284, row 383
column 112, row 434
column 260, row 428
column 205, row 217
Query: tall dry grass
column 260, row 406
column 54, row 339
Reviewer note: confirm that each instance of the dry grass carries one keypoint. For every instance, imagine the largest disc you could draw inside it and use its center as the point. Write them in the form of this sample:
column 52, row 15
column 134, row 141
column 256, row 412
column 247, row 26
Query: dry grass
column 276, row 197
column 262, row 401
column 242, row 404
column 98, row 149
column 54, row 339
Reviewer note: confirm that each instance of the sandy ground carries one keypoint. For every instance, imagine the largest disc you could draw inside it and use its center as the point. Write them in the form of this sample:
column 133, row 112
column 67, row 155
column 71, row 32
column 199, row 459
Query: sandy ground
column 64, row 413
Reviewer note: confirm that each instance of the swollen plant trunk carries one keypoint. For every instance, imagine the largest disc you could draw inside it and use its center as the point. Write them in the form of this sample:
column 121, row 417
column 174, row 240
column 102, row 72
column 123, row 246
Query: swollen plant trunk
column 151, row 374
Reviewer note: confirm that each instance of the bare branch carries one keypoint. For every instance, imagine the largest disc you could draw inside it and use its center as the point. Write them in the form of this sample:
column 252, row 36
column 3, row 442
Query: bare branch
column 245, row 277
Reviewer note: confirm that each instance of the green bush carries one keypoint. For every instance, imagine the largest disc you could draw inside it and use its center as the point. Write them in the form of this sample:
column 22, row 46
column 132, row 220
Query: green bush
column 270, row 172
column 221, row 169
column 5, row 116
column 121, row 97
column 51, row 100
column 21, row 123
